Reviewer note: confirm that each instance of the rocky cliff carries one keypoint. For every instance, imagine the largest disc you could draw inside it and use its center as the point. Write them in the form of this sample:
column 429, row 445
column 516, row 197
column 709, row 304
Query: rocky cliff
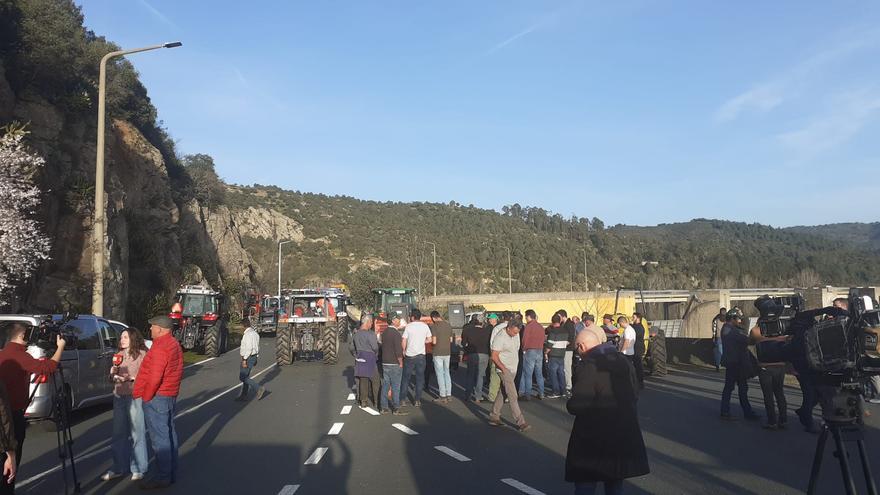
column 153, row 244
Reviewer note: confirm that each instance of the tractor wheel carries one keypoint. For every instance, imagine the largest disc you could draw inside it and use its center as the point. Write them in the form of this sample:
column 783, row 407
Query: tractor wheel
column 330, row 343
column 213, row 340
column 658, row 354
column 284, row 346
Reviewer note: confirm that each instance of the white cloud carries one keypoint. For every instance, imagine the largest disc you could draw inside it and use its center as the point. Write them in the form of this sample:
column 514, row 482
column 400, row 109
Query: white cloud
column 846, row 116
column 764, row 98
column 158, row 14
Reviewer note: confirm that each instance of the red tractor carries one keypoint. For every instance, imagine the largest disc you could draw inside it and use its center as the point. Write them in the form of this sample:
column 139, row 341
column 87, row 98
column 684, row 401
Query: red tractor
column 200, row 320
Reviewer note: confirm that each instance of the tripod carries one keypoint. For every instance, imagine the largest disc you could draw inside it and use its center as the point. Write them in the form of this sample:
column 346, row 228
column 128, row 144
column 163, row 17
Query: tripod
column 60, row 415
column 842, row 432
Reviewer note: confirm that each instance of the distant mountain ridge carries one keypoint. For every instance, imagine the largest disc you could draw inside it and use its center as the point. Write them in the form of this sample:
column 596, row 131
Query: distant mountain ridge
column 857, row 234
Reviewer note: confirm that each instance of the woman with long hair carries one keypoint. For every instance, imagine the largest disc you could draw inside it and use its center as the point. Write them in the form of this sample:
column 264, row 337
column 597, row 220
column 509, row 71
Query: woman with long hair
column 129, row 430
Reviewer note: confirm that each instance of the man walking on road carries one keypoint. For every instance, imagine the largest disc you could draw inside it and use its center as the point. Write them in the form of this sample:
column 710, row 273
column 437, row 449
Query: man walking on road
column 441, row 338
column 568, row 356
column 494, row 377
column 533, row 357
column 366, row 348
column 557, row 343
column 392, row 367
column 505, row 355
column 475, row 342
column 250, row 351
column 158, row 385
column 415, row 336
column 736, row 346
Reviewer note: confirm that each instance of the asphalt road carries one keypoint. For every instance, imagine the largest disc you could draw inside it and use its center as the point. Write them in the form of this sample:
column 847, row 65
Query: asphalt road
column 307, row 436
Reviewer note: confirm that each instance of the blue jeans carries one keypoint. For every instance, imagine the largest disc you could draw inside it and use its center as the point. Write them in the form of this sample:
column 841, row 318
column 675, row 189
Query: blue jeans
column 413, row 365
column 444, row 380
column 476, row 372
column 557, row 375
column 611, row 488
column 532, row 362
column 391, row 375
column 159, row 413
column 244, row 375
column 129, row 436
column 718, row 350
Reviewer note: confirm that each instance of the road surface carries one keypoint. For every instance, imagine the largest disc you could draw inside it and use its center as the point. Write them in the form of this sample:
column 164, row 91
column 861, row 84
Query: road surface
column 308, row 436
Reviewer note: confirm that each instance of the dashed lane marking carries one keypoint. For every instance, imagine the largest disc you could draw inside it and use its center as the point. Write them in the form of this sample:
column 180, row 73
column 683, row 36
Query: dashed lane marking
column 102, row 451
column 451, row 453
column 370, row 410
column 337, row 427
column 289, row 490
column 405, row 429
column 521, row 486
column 350, row 396
column 316, row 456
column 345, row 410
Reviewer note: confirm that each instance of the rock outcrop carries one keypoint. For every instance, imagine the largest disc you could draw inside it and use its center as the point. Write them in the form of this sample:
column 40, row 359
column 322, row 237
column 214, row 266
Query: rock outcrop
column 266, row 223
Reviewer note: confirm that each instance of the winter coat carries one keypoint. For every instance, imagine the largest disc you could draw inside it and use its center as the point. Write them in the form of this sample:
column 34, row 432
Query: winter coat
column 606, row 440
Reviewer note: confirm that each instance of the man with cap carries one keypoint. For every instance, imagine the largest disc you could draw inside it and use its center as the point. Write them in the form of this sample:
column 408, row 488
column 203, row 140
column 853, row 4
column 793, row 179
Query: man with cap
column 736, row 349
column 497, row 328
column 611, row 334
column 158, row 384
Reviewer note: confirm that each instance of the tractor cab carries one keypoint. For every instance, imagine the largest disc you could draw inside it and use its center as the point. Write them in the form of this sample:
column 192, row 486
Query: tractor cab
column 199, row 319
column 387, row 301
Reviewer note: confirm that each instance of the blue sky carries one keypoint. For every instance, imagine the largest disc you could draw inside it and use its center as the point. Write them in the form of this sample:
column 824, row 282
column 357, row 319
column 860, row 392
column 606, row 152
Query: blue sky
column 636, row 112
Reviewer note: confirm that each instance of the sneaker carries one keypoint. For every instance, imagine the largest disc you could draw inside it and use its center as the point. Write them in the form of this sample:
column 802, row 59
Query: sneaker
column 261, row 392
column 417, row 403
column 136, row 476
column 770, row 426
column 438, row 399
column 110, row 475
column 400, row 412
column 385, row 411
column 875, row 400
column 495, row 421
column 524, row 427
column 551, row 396
column 539, row 397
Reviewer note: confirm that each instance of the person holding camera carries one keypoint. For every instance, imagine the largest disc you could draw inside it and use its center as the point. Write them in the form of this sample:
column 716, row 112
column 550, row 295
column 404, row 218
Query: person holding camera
column 736, row 360
column 16, row 367
column 129, row 429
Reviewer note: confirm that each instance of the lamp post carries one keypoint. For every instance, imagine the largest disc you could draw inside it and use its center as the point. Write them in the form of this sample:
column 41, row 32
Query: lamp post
column 586, row 289
column 434, row 248
column 98, row 259
column 280, row 243
column 509, row 273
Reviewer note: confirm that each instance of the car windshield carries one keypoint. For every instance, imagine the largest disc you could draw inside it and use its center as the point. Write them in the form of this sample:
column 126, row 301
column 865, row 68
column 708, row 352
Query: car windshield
column 197, row 304
column 270, row 303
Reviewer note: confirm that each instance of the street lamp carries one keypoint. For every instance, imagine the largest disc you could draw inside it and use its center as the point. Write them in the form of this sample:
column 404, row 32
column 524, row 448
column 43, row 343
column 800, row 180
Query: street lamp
column 434, row 246
column 586, row 289
column 280, row 243
column 509, row 273
column 98, row 260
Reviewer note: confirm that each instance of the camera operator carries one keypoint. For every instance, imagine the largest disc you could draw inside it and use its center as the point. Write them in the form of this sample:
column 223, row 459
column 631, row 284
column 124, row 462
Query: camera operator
column 771, row 376
column 16, row 367
column 735, row 359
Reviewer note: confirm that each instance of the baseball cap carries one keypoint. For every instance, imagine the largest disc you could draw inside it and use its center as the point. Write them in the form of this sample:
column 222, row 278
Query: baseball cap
column 492, row 316
column 162, row 321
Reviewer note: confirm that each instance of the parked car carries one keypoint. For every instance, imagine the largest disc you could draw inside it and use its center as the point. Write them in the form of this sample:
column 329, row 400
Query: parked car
column 85, row 362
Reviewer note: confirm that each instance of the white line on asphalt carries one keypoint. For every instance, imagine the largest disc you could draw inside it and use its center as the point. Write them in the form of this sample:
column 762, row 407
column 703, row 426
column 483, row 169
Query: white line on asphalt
column 345, row 410
column 370, row 410
column 289, row 490
column 335, row 429
column 203, row 361
column 316, row 456
column 101, row 451
column 521, row 486
column 405, row 429
column 350, row 397
column 451, row 453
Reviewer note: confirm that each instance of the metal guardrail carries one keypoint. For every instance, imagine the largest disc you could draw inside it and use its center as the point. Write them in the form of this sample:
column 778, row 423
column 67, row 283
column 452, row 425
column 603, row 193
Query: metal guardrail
column 671, row 328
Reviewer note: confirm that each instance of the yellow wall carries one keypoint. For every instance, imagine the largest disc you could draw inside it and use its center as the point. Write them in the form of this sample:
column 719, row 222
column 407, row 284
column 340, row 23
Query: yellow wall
column 596, row 306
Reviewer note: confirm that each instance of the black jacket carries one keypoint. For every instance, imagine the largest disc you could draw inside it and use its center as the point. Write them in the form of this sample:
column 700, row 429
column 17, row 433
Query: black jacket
column 475, row 339
column 736, row 345
column 639, row 346
column 606, row 441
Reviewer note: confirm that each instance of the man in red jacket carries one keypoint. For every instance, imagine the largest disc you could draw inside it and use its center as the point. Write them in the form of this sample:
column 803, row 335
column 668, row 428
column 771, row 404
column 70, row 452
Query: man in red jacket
column 158, row 384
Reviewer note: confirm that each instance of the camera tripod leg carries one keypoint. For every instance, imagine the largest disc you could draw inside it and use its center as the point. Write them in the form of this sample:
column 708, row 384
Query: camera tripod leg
column 817, row 460
column 843, row 458
column 866, row 467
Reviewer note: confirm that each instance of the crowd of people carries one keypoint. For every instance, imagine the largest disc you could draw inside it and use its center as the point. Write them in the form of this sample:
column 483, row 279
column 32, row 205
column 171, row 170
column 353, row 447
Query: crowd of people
column 598, row 369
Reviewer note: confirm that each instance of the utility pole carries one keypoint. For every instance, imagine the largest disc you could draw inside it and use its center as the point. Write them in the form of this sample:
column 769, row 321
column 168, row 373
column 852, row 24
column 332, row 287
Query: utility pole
column 586, row 289
column 98, row 242
column 571, row 277
column 280, row 243
column 434, row 247
column 509, row 273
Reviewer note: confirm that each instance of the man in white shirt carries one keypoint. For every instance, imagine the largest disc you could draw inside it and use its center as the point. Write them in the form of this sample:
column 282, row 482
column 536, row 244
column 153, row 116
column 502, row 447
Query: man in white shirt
column 250, row 351
column 505, row 355
column 415, row 335
column 495, row 378
column 628, row 343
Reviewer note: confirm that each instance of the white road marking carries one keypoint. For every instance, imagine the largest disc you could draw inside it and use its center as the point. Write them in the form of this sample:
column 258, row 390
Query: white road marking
column 102, row 451
column 203, row 361
column 345, row 410
column 335, row 429
column 405, row 429
column 316, row 456
column 521, row 486
column 451, row 453
column 350, row 397
column 289, row 490
column 370, row 410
